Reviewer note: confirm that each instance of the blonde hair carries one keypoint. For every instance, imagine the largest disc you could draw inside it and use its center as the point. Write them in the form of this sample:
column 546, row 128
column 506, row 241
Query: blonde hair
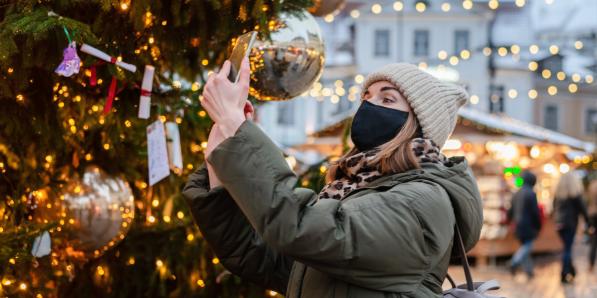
column 395, row 156
column 569, row 186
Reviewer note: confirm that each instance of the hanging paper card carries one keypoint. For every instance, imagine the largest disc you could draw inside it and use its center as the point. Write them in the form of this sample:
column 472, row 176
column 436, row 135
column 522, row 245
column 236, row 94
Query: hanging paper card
column 42, row 245
column 174, row 150
column 157, row 153
column 145, row 100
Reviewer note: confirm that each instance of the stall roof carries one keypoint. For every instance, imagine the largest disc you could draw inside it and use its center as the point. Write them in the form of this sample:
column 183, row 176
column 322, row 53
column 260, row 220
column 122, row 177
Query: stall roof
column 521, row 128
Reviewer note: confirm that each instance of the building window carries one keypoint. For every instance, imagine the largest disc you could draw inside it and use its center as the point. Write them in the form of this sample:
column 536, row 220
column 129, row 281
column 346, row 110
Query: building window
column 286, row 112
column 461, row 41
column 496, row 99
column 591, row 122
column 382, row 43
column 550, row 118
column 421, row 43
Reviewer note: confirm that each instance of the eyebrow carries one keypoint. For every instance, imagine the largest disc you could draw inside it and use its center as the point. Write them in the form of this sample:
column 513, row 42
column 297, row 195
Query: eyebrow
column 389, row 88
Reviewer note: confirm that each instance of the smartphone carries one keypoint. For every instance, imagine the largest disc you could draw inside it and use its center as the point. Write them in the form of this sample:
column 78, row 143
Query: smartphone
column 241, row 50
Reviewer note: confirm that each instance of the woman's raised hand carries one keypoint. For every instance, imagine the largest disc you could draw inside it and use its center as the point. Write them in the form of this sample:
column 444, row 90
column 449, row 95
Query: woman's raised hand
column 225, row 101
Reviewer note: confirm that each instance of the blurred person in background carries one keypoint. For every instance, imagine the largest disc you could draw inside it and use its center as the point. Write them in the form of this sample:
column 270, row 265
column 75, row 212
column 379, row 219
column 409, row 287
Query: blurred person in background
column 568, row 206
column 526, row 218
column 592, row 203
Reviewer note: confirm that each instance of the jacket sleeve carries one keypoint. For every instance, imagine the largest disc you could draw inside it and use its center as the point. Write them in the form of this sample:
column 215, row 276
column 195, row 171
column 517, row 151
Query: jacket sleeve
column 534, row 210
column 582, row 208
column 353, row 242
column 232, row 238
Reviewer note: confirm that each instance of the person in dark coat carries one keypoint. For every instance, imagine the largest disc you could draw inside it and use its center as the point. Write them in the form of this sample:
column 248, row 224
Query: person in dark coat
column 526, row 217
column 568, row 207
column 592, row 203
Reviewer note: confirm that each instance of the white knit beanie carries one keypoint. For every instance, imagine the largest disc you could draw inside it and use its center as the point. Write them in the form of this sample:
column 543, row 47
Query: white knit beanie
column 435, row 103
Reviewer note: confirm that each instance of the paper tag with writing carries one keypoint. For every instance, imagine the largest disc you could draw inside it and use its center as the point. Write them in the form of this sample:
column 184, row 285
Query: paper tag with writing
column 157, row 152
column 174, row 150
column 42, row 245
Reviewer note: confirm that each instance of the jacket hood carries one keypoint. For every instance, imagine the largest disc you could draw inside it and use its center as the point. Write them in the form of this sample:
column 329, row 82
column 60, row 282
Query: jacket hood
column 457, row 179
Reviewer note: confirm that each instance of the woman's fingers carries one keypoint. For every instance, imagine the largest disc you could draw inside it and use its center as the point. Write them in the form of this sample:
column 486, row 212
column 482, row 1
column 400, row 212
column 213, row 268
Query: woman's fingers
column 245, row 73
column 223, row 74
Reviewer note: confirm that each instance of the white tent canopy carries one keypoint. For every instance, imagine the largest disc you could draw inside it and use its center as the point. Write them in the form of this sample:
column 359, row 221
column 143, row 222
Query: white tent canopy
column 521, row 128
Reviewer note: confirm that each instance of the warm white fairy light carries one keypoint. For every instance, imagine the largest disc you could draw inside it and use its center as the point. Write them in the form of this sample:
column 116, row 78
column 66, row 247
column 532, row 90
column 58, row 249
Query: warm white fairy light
column 376, row 8
column 467, row 4
column 420, row 6
column 520, row 3
column 474, row 99
column 493, row 4
column 446, row 6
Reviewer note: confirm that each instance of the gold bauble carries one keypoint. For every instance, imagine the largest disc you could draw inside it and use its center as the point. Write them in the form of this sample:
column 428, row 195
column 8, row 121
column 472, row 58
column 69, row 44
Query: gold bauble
column 97, row 212
column 325, row 7
column 287, row 64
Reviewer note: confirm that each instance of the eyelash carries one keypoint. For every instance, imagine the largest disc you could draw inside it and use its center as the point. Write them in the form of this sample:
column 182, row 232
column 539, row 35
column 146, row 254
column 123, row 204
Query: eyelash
column 387, row 99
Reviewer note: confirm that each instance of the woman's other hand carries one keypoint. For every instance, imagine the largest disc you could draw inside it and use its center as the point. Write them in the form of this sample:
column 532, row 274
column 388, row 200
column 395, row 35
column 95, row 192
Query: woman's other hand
column 216, row 137
column 225, row 101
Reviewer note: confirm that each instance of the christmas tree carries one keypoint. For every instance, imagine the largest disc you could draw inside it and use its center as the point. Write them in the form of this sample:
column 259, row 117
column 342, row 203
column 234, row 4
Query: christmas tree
column 53, row 127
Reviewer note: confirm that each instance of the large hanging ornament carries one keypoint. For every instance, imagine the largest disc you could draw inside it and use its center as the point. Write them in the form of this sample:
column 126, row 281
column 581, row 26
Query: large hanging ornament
column 287, row 64
column 325, row 7
column 97, row 212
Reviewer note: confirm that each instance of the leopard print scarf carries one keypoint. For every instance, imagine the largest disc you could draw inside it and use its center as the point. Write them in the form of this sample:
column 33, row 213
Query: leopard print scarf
column 357, row 171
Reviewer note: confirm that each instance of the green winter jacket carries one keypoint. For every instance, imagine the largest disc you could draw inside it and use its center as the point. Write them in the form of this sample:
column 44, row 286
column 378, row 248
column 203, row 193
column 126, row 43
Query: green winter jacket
column 390, row 239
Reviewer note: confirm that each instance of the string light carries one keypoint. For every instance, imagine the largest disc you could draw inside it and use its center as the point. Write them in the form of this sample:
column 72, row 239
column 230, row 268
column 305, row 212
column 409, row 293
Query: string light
column 552, row 90
column 446, row 6
column 520, row 3
column 553, row 49
column 420, row 6
column 532, row 94
column 474, row 99
column 467, row 4
column 201, row 283
column 398, row 6
column 493, row 4
column 376, row 8
column 355, row 13
column 180, row 215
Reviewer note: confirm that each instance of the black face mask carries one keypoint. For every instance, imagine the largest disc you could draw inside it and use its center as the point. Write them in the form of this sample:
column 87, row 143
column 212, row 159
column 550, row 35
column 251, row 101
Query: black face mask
column 375, row 125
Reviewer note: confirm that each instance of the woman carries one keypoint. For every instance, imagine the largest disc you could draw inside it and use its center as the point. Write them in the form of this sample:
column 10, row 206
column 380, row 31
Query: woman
column 568, row 206
column 382, row 227
column 592, row 199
